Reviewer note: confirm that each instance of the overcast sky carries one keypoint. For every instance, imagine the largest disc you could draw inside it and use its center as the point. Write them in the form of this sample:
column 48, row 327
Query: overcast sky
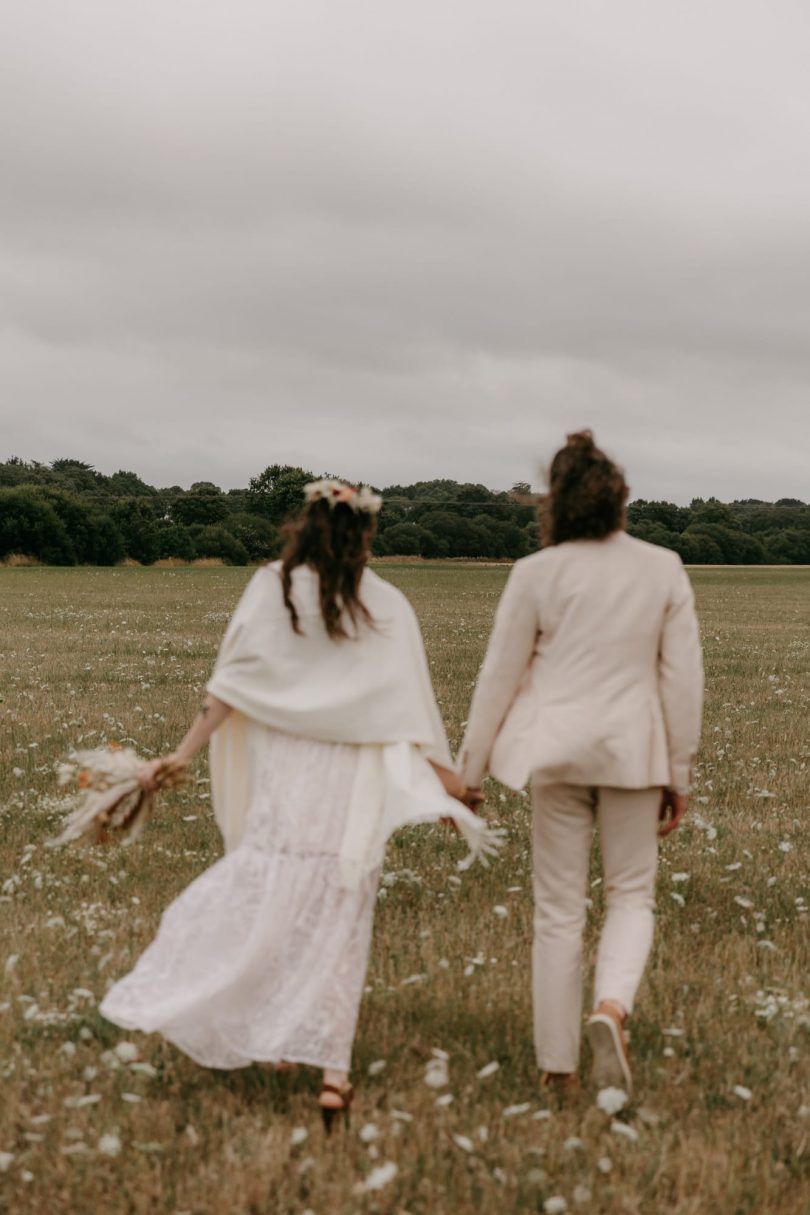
column 404, row 239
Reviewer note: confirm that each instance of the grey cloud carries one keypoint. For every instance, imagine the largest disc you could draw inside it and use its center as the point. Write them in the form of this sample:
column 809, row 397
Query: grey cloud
column 408, row 241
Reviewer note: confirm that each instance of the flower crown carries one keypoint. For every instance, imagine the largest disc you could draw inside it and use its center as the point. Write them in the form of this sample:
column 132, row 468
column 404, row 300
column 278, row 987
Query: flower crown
column 334, row 492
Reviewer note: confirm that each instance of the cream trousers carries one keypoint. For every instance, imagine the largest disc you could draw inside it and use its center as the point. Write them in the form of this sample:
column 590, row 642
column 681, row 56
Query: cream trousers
column 562, row 837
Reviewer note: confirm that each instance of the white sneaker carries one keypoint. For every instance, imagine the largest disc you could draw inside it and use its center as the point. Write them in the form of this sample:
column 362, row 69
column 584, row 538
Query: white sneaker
column 611, row 1068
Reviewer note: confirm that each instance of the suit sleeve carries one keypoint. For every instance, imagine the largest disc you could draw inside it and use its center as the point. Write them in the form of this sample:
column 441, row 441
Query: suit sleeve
column 680, row 680
column 510, row 649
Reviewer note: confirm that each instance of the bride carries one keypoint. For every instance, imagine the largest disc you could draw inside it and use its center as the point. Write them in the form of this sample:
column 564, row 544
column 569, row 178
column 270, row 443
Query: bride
column 325, row 737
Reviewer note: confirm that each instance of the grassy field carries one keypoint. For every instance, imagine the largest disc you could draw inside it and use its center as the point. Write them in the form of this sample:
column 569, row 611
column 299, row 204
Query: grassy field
column 721, row 1120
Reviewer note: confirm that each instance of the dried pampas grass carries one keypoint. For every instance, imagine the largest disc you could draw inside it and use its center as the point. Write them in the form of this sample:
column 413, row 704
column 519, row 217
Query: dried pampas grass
column 115, row 807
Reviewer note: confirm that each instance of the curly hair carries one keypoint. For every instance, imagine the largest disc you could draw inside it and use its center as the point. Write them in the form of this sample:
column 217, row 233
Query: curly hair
column 335, row 542
column 587, row 493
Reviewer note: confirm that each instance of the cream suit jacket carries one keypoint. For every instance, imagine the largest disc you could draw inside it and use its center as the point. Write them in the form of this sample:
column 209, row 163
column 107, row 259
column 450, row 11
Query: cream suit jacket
column 593, row 674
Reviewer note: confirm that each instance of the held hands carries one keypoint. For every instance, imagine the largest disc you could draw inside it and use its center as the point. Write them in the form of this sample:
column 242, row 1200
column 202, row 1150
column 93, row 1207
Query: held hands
column 671, row 811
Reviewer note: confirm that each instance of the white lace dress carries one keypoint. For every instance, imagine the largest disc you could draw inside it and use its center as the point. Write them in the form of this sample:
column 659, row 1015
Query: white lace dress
column 263, row 957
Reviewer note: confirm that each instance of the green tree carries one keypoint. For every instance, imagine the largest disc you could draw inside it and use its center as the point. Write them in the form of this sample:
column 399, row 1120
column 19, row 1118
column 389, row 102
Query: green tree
column 278, row 492
column 201, row 505
column 217, row 541
column 259, row 537
column 403, row 540
column 174, row 540
column 31, row 527
column 137, row 520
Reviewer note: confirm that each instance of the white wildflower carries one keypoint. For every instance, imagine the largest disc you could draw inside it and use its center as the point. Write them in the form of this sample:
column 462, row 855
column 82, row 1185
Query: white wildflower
column 68, row 1048
column 369, row 1132
column 11, row 962
column 489, row 1069
column 6, row 1161
column 376, row 1067
column 573, row 1143
column 581, row 1195
column 78, row 1103
column 109, row 1145
column 680, row 877
column 436, row 1073
column 742, row 1092
column 298, row 1135
column 610, row 1100
column 678, row 898
column 604, row 1164
column 623, row 1128
column 127, row 1052
column 500, row 911
column 512, row 1111
column 466, row 1144
column 743, row 902
column 555, row 1205
column 143, row 1069
column 379, row 1177
column 444, row 1100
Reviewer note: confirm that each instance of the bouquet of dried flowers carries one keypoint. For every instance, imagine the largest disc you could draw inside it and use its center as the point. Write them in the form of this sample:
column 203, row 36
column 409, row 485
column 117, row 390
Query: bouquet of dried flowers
column 115, row 806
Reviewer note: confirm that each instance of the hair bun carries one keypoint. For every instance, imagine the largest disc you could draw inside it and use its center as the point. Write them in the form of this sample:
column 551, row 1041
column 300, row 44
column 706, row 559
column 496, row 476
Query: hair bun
column 583, row 440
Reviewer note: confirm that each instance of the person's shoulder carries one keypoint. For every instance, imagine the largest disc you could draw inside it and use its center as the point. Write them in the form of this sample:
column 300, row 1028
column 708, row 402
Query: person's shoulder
column 527, row 568
column 382, row 591
column 643, row 550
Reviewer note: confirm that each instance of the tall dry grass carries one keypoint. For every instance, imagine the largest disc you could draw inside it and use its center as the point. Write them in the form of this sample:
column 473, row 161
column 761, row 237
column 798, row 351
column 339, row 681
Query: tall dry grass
column 88, row 655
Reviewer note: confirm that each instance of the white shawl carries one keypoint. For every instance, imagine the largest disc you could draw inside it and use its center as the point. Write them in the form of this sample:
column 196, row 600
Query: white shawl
column 373, row 690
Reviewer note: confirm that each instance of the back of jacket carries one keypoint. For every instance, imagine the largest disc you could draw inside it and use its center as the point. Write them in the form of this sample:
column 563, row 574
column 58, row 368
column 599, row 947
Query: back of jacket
column 593, row 673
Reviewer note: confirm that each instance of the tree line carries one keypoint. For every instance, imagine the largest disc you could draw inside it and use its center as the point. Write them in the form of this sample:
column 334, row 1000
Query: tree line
column 67, row 513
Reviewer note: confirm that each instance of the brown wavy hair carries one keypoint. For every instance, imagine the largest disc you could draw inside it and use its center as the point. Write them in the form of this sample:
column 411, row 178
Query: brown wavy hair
column 334, row 541
column 586, row 496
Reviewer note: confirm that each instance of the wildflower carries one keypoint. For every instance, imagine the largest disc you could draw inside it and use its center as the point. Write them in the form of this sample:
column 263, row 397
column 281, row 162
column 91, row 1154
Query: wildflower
column 369, row 1132
column 143, row 1069
column 379, row 1177
column 555, row 1205
column 127, row 1052
column 436, row 1074
column 109, row 1145
column 500, row 911
column 512, row 1111
column 611, row 1100
column 742, row 1092
column 298, row 1135
column 489, row 1069
column 622, row 1128
column 464, row 1143
column 376, row 1067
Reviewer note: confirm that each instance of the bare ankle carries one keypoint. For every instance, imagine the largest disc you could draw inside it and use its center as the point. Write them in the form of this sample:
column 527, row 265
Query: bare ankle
column 613, row 1007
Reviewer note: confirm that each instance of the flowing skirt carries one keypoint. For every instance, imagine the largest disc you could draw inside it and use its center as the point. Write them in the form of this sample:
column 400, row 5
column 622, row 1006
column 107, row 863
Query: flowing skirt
column 263, row 957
